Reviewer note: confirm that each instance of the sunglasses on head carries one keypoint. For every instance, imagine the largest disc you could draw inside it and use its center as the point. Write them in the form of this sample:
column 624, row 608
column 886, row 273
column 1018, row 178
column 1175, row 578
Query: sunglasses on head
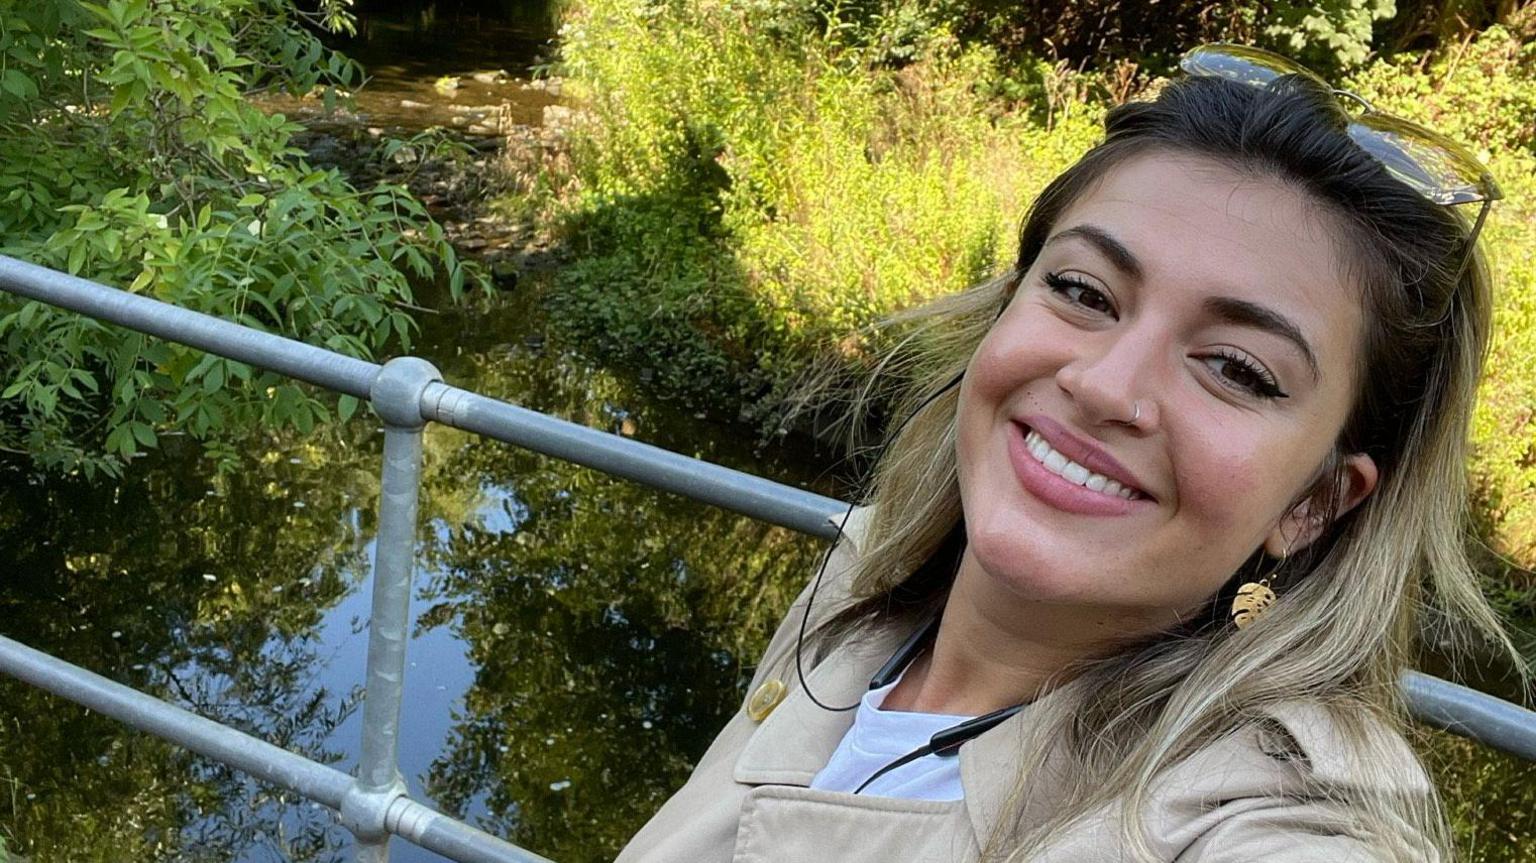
column 1428, row 162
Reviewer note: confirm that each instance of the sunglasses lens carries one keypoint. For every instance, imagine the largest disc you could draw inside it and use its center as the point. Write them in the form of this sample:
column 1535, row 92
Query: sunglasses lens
column 1432, row 164
column 1242, row 64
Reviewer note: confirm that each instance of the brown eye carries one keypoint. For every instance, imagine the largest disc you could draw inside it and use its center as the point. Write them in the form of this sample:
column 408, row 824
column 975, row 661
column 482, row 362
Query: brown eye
column 1080, row 293
column 1244, row 375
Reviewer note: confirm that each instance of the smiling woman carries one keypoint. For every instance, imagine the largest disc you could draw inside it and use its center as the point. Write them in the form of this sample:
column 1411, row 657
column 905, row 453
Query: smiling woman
column 1142, row 566
column 1163, row 340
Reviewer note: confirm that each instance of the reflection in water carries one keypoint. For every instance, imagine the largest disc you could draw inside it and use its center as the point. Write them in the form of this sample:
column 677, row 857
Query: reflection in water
column 609, row 625
column 578, row 639
column 202, row 590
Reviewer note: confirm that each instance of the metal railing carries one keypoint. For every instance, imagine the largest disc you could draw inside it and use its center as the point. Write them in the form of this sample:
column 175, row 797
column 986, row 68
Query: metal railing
column 407, row 393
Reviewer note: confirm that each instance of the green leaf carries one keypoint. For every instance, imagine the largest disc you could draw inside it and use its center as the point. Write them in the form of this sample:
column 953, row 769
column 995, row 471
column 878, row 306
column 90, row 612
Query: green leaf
column 18, row 83
column 213, row 380
column 120, row 440
column 346, row 406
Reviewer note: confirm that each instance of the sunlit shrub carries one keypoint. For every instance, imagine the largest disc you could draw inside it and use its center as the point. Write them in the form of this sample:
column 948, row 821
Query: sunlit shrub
column 129, row 155
column 1485, row 95
column 745, row 199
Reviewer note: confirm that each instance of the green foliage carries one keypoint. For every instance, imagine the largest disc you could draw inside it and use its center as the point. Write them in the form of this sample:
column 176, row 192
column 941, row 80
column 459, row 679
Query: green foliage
column 1485, row 95
column 128, row 155
column 1330, row 33
column 1488, row 796
column 1482, row 94
column 743, row 201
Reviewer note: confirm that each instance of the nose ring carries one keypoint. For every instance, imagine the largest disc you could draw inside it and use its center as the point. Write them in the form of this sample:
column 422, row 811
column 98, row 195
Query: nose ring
column 1134, row 416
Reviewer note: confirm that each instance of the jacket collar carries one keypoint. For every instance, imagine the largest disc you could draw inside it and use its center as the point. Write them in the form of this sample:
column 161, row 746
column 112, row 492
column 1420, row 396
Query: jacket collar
column 795, row 741
column 989, row 773
column 798, row 737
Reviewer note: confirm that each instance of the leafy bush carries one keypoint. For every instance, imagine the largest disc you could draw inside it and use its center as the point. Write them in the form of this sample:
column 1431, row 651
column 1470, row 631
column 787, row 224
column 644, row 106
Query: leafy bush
column 1488, row 796
column 742, row 201
column 1482, row 94
column 128, row 155
column 1330, row 33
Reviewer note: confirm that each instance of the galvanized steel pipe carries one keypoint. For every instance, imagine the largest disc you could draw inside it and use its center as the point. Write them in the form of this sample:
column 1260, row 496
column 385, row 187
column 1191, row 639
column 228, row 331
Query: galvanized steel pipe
column 804, row 511
column 1469, row 713
column 283, row 355
column 184, row 728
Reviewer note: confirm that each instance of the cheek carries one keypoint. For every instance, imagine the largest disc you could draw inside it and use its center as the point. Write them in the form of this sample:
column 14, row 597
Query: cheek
column 1016, row 351
column 1235, row 485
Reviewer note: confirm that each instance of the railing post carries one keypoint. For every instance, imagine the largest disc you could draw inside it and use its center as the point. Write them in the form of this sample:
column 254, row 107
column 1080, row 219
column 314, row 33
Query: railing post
column 396, row 398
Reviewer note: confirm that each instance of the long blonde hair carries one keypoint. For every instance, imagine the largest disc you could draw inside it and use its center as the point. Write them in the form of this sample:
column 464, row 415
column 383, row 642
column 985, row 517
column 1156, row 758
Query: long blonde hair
column 1350, row 607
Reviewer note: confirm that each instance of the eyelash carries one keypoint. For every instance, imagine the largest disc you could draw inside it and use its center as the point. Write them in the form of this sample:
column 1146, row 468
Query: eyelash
column 1263, row 383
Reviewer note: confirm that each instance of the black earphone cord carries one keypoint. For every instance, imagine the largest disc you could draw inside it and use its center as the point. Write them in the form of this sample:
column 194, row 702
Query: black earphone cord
column 945, row 743
column 842, row 526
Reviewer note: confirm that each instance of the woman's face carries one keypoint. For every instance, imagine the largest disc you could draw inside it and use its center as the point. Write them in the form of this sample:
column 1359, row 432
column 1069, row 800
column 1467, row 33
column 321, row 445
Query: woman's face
column 1215, row 309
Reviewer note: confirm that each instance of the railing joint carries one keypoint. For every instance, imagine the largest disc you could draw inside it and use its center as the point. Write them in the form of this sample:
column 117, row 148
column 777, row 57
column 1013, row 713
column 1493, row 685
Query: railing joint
column 397, row 391
column 365, row 810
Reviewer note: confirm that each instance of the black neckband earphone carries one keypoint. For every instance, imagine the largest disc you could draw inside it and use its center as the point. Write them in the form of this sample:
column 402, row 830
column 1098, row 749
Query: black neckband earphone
column 945, row 743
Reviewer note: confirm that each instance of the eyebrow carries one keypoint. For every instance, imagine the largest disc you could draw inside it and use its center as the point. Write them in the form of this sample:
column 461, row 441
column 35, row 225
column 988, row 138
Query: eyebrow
column 1227, row 309
column 1107, row 245
column 1246, row 314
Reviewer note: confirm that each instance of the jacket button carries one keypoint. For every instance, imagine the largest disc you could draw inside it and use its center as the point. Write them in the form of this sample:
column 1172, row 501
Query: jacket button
column 765, row 699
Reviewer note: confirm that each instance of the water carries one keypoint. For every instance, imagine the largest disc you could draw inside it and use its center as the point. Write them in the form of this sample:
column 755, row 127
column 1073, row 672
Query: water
column 577, row 639
column 471, row 71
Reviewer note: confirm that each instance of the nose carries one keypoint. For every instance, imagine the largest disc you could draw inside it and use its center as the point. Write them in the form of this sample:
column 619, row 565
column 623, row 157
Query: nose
column 1111, row 378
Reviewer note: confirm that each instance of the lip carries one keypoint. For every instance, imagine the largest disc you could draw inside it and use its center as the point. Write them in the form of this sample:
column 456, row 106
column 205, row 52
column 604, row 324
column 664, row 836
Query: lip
column 1080, row 450
column 1060, row 493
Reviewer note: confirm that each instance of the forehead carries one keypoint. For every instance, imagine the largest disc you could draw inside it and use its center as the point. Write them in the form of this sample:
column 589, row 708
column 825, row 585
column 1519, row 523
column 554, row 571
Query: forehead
column 1203, row 229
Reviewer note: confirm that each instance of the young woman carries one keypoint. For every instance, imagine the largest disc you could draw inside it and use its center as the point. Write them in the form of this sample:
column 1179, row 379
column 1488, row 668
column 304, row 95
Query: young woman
column 1138, row 574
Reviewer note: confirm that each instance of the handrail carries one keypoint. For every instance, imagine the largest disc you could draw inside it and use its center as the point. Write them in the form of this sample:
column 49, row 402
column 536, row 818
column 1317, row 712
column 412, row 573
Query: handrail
column 405, row 817
column 407, row 393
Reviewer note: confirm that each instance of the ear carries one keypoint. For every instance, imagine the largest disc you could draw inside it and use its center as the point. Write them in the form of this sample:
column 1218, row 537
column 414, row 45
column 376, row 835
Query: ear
column 1301, row 527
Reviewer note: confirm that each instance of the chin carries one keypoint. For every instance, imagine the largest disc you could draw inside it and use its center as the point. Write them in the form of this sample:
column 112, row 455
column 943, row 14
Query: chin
column 1017, row 563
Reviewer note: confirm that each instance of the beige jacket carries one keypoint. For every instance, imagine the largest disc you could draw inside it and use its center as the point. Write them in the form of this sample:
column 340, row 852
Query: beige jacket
column 748, row 801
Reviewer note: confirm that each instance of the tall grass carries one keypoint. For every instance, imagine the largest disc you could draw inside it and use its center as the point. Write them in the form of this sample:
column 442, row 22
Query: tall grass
column 747, row 191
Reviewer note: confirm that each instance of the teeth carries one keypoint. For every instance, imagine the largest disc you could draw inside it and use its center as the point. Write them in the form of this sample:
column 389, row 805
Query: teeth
column 1071, row 471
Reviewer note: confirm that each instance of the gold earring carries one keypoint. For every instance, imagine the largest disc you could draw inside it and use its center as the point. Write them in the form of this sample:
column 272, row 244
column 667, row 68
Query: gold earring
column 1255, row 597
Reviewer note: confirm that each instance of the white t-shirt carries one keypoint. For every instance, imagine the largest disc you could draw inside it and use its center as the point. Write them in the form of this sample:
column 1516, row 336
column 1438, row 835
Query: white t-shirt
column 879, row 737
